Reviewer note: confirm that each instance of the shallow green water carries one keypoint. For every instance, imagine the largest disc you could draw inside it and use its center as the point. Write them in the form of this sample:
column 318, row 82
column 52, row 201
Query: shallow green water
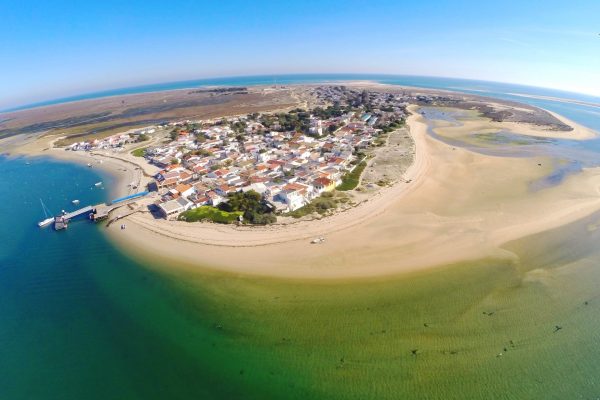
column 80, row 320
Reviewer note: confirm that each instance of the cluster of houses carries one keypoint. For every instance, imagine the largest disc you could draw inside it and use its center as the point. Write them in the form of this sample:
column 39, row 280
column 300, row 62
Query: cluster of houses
column 207, row 160
column 114, row 142
column 288, row 169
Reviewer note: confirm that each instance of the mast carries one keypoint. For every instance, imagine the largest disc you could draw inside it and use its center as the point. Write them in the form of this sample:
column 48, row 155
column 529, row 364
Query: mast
column 45, row 209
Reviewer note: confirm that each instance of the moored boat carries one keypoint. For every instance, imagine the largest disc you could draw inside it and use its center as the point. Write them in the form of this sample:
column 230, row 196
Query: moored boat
column 49, row 218
column 45, row 222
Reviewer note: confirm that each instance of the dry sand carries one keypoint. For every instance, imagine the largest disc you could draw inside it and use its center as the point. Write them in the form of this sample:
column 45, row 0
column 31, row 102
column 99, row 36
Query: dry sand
column 458, row 206
column 579, row 132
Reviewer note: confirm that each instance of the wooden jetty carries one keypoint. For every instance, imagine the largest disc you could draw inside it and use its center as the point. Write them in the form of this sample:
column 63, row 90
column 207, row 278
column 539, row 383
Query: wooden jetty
column 96, row 212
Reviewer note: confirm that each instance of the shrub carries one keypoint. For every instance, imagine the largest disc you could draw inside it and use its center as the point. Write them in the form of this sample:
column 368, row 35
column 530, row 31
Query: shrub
column 351, row 179
column 141, row 152
column 209, row 213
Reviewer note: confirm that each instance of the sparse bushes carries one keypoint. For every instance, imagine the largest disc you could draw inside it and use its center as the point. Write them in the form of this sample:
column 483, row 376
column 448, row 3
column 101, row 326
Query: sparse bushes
column 351, row 179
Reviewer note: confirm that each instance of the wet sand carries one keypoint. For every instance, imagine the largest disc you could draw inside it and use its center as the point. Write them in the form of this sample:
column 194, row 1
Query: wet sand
column 458, row 206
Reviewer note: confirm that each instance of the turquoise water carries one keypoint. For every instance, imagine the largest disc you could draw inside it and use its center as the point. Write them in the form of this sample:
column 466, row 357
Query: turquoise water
column 80, row 320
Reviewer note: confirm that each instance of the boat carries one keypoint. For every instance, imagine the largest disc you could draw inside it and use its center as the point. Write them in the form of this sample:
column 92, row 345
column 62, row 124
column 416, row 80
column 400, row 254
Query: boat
column 89, row 165
column 45, row 222
column 75, row 202
column 49, row 218
column 318, row 240
column 97, row 183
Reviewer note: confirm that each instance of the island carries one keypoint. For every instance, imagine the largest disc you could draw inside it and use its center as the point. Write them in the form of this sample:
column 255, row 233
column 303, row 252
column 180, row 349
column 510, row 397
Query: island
column 331, row 180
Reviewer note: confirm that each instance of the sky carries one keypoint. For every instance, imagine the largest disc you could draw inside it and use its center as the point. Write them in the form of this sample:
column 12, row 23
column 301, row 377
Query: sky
column 51, row 49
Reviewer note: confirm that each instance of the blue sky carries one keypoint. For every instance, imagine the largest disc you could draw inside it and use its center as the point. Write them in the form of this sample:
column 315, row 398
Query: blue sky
column 52, row 49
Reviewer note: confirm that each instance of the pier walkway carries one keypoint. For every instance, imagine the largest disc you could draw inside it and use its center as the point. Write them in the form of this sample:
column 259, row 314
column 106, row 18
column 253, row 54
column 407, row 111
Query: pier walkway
column 76, row 213
column 100, row 211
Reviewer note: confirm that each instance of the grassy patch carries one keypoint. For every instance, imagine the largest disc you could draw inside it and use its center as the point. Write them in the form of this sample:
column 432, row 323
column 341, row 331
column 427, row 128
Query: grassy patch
column 208, row 213
column 321, row 205
column 351, row 179
column 141, row 152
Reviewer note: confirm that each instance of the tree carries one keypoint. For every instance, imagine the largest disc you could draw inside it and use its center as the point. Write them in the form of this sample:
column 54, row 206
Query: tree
column 251, row 204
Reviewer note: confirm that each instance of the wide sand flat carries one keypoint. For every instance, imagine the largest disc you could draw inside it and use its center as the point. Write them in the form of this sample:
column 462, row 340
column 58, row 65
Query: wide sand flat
column 460, row 205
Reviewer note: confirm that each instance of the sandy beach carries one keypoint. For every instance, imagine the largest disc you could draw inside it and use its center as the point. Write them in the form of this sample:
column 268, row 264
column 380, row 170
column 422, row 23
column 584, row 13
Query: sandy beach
column 457, row 206
column 123, row 167
column 452, row 205
column 579, row 132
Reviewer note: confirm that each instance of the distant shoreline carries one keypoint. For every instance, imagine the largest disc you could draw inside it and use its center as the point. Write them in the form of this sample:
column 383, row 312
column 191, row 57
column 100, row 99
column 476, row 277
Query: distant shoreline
column 391, row 232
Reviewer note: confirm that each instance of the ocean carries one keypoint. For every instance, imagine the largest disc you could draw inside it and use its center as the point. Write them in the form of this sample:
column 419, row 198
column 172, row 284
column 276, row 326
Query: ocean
column 81, row 320
column 585, row 115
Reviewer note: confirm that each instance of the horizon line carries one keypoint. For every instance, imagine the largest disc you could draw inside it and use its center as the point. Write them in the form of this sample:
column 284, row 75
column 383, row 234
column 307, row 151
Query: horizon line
column 109, row 92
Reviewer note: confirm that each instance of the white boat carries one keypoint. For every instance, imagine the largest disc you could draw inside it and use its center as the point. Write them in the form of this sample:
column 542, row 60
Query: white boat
column 49, row 218
column 318, row 240
column 75, row 202
column 97, row 183
column 45, row 222
column 89, row 165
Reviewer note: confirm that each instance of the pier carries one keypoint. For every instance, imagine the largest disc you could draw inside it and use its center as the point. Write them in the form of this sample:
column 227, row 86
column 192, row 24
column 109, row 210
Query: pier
column 97, row 212
column 76, row 213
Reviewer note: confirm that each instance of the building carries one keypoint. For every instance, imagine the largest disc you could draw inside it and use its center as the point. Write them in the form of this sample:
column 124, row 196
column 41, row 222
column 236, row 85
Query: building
column 175, row 206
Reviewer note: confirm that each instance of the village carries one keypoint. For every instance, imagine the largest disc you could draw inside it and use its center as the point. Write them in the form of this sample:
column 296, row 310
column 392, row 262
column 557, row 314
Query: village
column 252, row 167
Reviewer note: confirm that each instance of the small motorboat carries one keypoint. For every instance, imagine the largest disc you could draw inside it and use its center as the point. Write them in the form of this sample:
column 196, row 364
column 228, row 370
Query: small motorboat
column 75, row 201
column 89, row 165
column 98, row 184
column 318, row 240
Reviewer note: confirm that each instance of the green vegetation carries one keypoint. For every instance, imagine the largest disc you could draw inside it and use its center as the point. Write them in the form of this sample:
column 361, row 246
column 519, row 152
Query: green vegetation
column 321, row 205
column 351, row 179
column 251, row 205
column 393, row 126
column 141, row 152
column 329, row 112
column 209, row 213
